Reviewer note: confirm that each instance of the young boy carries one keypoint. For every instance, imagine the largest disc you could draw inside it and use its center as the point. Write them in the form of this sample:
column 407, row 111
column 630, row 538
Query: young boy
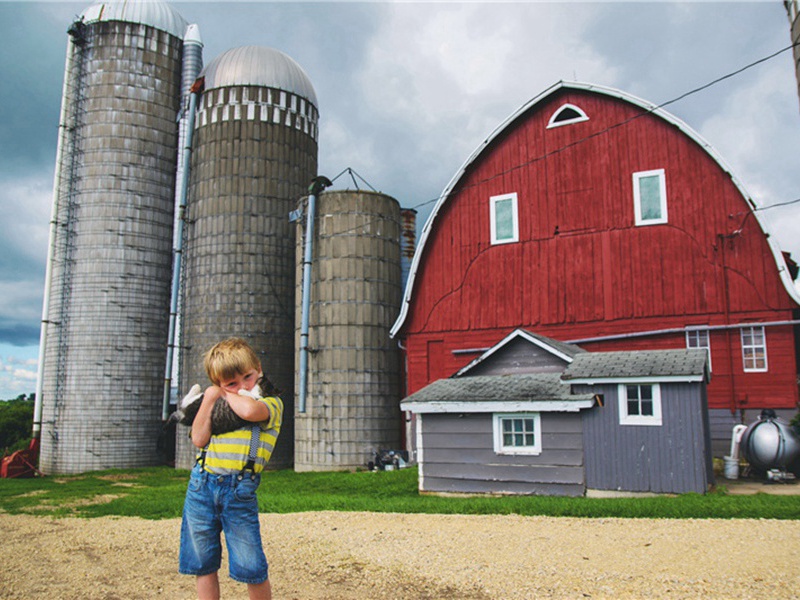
column 221, row 496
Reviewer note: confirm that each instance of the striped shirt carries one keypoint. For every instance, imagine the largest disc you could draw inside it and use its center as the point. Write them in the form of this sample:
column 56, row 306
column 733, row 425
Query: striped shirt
column 228, row 452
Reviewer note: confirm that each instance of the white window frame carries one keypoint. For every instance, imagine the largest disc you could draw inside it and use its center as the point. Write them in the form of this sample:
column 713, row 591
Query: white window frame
column 497, row 426
column 749, row 349
column 695, row 339
column 637, row 199
column 650, row 420
column 579, row 119
column 493, row 202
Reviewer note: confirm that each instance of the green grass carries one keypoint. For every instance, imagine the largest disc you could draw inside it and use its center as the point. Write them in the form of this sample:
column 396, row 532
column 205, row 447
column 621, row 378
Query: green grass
column 157, row 493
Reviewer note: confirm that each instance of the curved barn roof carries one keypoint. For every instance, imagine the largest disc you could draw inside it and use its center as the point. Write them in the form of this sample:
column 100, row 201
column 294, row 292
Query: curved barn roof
column 653, row 109
column 160, row 15
column 257, row 65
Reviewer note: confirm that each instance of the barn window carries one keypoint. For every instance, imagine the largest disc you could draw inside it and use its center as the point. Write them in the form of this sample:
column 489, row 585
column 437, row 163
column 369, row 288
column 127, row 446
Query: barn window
column 640, row 404
column 503, row 219
column 698, row 338
column 567, row 114
column 650, row 197
column 517, row 433
column 754, row 349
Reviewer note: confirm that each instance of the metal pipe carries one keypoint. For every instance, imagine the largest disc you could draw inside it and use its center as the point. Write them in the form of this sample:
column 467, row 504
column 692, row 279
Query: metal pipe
column 317, row 186
column 191, row 87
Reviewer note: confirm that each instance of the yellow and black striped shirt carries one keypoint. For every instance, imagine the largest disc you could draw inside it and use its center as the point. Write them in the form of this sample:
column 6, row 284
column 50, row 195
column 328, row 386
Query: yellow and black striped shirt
column 228, row 452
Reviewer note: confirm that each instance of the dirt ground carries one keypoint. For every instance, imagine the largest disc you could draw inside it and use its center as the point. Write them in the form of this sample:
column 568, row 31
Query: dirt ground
column 330, row 555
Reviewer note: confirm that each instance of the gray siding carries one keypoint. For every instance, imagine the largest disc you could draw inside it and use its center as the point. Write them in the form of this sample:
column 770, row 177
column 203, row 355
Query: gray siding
column 519, row 356
column 458, row 455
column 672, row 458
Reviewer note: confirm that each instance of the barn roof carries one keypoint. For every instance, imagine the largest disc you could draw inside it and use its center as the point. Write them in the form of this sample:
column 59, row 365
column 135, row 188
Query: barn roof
column 542, row 392
column 540, row 99
column 660, row 365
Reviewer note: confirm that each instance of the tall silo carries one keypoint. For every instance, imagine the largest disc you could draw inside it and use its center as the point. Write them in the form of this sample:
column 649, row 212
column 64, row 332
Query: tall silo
column 107, row 291
column 254, row 155
column 351, row 408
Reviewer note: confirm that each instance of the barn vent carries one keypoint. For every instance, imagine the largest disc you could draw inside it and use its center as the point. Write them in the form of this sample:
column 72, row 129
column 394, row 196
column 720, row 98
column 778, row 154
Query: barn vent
column 566, row 115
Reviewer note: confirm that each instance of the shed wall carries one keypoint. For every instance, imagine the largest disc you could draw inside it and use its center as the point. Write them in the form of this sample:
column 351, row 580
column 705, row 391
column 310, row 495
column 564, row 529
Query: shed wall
column 672, row 458
column 458, row 456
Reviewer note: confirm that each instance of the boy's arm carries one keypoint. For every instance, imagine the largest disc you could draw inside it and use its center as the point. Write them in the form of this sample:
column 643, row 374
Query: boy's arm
column 201, row 428
column 248, row 408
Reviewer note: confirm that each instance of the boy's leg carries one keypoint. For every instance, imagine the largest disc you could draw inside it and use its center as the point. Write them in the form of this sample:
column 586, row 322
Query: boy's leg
column 259, row 591
column 208, row 587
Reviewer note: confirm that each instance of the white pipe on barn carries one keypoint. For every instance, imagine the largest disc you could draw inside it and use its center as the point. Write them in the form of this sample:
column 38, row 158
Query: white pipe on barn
column 738, row 431
column 623, row 336
column 317, row 186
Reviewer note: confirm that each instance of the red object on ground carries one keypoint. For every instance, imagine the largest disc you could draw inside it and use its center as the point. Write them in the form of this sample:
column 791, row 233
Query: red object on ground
column 21, row 463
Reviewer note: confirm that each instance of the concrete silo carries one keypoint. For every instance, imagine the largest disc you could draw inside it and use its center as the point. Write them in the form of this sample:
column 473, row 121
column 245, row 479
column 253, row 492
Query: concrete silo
column 793, row 10
column 108, row 276
column 254, row 155
column 353, row 388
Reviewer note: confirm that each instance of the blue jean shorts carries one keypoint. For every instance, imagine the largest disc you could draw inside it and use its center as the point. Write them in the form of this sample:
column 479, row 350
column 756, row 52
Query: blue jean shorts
column 222, row 504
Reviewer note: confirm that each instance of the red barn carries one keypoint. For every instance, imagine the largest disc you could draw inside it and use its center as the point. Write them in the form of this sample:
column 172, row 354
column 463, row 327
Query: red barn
column 593, row 217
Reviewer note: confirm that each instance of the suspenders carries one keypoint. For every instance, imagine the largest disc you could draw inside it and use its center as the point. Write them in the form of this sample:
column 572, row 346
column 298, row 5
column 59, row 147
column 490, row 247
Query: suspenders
column 255, row 434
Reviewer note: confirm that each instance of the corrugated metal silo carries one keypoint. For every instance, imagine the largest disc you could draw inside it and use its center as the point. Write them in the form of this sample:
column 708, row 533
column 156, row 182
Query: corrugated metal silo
column 354, row 380
column 254, row 155
column 107, row 297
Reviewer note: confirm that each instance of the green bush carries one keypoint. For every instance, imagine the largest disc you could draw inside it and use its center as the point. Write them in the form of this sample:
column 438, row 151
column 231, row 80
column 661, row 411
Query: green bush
column 16, row 423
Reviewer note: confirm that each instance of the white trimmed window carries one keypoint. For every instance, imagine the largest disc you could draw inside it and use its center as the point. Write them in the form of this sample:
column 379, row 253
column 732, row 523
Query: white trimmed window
column 650, row 197
column 503, row 219
column 639, row 404
column 517, row 433
column 754, row 349
column 698, row 338
column 567, row 114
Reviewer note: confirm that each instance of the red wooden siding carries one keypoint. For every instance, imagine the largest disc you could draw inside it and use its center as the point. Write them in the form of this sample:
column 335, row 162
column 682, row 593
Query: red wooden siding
column 582, row 268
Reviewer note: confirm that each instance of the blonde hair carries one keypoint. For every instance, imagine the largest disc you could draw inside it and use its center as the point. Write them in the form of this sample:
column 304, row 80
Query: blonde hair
column 229, row 358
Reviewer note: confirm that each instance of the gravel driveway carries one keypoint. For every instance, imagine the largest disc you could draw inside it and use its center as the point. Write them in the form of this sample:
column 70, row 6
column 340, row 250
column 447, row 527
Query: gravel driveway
column 374, row 556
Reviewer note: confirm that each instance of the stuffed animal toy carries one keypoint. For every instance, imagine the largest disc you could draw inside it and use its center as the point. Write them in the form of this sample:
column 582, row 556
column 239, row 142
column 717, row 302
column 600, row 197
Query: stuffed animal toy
column 223, row 419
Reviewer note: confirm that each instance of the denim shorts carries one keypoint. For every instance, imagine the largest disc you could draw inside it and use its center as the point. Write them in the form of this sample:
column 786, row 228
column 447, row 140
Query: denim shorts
column 216, row 504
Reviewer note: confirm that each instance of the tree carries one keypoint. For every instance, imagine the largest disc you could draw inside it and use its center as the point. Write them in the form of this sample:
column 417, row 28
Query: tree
column 16, row 422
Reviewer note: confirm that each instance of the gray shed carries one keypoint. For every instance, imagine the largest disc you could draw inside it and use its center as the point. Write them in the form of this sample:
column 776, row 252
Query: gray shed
column 574, row 423
column 652, row 433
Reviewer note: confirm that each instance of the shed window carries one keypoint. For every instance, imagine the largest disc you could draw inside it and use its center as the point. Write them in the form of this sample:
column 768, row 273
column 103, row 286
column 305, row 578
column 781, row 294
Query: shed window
column 754, row 349
column 567, row 114
column 503, row 219
column 640, row 404
column 650, row 197
column 698, row 338
column 517, row 433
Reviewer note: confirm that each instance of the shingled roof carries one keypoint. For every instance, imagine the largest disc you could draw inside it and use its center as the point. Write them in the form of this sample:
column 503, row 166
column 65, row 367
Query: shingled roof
column 684, row 365
column 540, row 391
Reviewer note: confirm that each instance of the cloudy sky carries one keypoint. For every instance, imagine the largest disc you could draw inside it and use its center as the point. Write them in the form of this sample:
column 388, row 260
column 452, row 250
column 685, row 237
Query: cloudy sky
column 407, row 90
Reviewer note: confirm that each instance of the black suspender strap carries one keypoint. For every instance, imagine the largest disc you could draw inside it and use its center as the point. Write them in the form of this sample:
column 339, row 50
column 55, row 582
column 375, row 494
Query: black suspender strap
column 255, row 438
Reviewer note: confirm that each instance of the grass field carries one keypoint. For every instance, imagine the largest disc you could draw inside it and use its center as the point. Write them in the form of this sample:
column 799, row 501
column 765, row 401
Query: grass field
column 157, row 493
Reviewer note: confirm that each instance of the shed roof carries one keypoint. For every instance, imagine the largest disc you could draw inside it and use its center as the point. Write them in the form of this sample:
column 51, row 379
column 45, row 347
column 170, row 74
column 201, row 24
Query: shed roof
column 661, row 365
column 491, row 393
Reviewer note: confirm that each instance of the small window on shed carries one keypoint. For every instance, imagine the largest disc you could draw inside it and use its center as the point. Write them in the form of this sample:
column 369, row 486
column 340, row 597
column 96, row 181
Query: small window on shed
column 567, row 114
column 517, row 433
column 503, row 219
column 640, row 404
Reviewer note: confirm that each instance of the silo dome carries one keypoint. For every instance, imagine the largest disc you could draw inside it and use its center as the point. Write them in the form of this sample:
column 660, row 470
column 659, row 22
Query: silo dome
column 159, row 15
column 259, row 66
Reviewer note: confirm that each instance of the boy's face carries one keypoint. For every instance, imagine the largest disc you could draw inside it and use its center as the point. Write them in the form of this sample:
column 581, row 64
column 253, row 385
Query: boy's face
column 246, row 381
